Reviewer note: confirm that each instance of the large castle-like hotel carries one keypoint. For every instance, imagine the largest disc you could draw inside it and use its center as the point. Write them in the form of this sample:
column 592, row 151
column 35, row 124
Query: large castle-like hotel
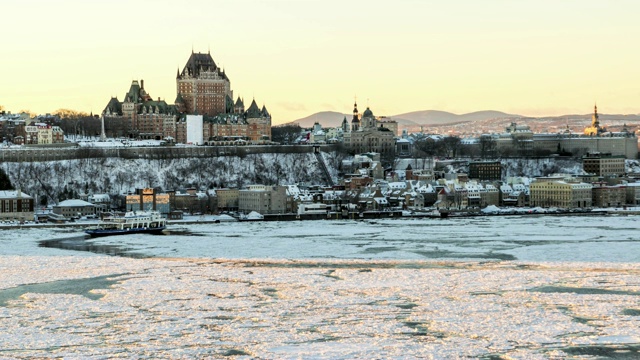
column 202, row 89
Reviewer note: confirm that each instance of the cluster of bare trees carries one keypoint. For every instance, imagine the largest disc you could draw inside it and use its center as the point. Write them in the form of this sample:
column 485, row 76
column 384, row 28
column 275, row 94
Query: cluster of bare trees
column 285, row 134
column 77, row 124
column 486, row 147
column 449, row 146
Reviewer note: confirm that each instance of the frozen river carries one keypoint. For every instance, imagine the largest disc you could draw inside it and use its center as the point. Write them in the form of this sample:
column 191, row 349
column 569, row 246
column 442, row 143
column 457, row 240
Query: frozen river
column 492, row 287
column 527, row 238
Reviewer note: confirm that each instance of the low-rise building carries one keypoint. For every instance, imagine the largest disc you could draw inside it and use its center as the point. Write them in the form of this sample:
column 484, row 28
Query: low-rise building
column 148, row 199
column 16, row 205
column 485, row 170
column 190, row 201
column 608, row 196
column 560, row 192
column 633, row 193
column 227, row 199
column 263, row 199
column 101, row 201
column 603, row 164
column 490, row 195
column 74, row 208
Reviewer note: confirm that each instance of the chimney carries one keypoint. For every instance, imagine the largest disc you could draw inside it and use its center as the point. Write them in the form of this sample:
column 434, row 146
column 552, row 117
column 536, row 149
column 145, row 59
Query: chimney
column 141, row 84
column 18, row 192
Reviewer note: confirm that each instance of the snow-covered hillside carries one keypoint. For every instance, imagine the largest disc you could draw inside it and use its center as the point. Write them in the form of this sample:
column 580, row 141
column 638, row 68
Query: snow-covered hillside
column 540, row 167
column 118, row 176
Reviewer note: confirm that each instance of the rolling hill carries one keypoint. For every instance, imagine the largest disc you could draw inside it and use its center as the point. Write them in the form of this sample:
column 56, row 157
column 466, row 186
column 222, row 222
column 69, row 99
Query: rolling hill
column 410, row 119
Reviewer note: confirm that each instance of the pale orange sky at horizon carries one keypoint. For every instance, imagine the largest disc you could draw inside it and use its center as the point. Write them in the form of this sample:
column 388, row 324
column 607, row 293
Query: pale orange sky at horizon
column 299, row 57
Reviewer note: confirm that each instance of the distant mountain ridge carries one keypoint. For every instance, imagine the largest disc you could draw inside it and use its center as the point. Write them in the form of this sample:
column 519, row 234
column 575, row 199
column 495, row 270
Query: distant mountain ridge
column 410, row 119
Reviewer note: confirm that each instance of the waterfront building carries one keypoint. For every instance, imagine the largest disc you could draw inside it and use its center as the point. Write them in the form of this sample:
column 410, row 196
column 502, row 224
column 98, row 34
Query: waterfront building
column 560, row 192
column 74, row 208
column 102, row 202
column 633, row 193
column 263, row 199
column 490, row 195
column 607, row 196
column 227, row 199
column 16, row 205
column 148, row 199
column 190, row 201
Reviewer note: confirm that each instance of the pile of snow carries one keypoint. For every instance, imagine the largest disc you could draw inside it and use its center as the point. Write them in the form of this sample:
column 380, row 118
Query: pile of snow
column 225, row 217
column 254, row 216
column 491, row 209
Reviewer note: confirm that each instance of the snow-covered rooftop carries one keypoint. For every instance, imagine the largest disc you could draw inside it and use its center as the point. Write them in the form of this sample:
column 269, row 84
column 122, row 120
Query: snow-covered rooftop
column 74, row 203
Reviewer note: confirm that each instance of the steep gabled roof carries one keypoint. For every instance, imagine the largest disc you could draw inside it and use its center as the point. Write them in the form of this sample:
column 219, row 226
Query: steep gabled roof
column 113, row 107
column 265, row 113
column 253, row 111
column 133, row 95
column 163, row 107
column 198, row 62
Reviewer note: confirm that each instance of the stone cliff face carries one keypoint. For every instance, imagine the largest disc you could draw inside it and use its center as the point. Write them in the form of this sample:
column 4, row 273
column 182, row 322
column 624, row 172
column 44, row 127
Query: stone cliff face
column 115, row 176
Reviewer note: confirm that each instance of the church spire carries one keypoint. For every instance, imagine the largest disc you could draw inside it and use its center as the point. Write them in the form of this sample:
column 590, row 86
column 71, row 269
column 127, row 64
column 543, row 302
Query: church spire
column 355, row 122
column 595, row 122
column 355, row 111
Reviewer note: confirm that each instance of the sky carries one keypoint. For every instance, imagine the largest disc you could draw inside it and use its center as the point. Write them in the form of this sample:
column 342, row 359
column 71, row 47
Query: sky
column 299, row 57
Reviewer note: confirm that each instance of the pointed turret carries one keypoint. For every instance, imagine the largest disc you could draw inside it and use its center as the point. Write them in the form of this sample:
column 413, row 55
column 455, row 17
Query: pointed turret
column 265, row 113
column 239, row 106
column 253, row 111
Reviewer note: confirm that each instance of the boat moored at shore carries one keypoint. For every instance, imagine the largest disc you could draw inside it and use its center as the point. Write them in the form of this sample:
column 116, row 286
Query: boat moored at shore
column 132, row 222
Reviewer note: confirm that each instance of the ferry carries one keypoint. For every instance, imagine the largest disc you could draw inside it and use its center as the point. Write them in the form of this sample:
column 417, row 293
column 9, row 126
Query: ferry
column 132, row 222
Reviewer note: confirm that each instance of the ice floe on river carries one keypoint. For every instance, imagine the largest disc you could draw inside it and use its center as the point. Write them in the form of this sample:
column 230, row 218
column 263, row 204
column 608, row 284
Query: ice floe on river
column 381, row 289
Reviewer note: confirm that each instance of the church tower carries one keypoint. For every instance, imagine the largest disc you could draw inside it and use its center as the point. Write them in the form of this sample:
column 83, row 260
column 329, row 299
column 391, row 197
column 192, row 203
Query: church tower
column 594, row 129
column 355, row 122
column 595, row 122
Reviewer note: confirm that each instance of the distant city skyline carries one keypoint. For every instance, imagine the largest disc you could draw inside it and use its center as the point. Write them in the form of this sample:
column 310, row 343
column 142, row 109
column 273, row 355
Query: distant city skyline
column 532, row 58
